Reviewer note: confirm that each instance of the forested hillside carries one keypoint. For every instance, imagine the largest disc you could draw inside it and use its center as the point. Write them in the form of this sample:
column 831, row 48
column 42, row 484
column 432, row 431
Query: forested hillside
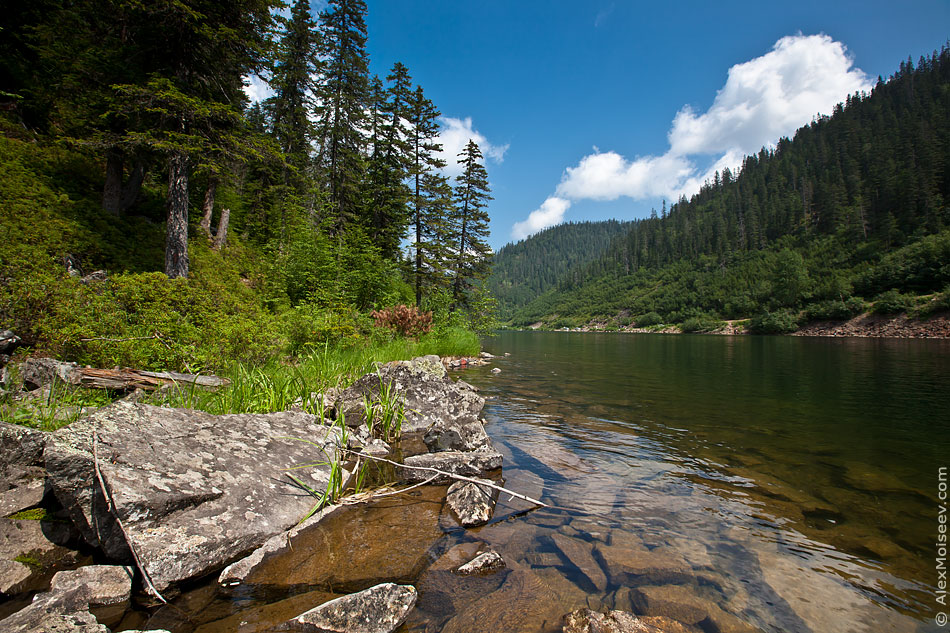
column 524, row 270
column 227, row 230
column 853, row 209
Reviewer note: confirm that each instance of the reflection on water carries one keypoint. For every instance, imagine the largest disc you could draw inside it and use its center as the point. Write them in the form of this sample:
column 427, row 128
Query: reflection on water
column 734, row 484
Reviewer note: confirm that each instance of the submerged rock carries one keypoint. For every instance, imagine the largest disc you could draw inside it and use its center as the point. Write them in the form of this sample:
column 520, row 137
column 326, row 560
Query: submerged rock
column 588, row 621
column 485, row 562
column 379, row 609
column 581, row 554
column 472, row 504
column 193, row 490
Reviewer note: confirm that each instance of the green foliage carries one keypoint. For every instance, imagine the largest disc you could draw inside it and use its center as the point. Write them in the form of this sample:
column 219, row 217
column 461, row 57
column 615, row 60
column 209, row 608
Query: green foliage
column 33, row 514
column 892, row 302
column 834, row 310
column 778, row 322
column 648, row 319
column 384, row 417
column 701, row 323
column 938, row 303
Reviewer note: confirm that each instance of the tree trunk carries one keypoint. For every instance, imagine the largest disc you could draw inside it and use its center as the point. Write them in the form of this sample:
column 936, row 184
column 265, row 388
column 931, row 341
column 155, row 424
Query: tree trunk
column 176, row 232
column 208, row 206
column 112, row 191
column 221, row 237
column 131, row 189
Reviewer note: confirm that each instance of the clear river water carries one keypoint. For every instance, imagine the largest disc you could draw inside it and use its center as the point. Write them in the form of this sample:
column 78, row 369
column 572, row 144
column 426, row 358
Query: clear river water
column 733, row 484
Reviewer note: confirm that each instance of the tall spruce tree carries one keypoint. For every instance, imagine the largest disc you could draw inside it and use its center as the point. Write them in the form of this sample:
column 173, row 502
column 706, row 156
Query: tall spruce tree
column 292, row 78
column 342, row 95
column 431, row 198
column 386, row 214
column 470, row 224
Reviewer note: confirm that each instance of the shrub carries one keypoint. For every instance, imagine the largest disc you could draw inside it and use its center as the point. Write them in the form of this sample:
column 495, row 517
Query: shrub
column 938, row 303
column 834, row 310
column 892, row 302
column 701, row 323
column 648, row 319
column 778, row 322
column 408, row 321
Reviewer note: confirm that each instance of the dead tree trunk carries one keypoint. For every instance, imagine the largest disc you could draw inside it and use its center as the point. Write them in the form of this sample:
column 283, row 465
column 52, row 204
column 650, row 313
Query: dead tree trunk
column 176, row 232
column 112, row 191
column 221, row 237
column 208, row 206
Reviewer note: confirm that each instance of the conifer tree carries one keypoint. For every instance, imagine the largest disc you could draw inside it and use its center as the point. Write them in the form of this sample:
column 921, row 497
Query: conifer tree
column 431, row 198
column 342, row 94
column 293, row 73
column 470, row 224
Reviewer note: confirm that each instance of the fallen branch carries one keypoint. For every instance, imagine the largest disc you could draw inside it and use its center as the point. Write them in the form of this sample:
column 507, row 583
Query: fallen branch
column 450, row 476
column 129, row 379
column 112, row 510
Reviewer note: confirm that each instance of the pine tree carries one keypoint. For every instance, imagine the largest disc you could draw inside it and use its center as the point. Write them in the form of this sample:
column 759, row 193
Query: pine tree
column 431, row 193
column 342, row 94
column 386, row 214
column 470, row 224
column 293, row 73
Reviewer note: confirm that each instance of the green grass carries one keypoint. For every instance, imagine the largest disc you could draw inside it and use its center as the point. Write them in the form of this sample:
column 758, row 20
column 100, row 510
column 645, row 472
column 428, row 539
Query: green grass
column 276, row 386
column 33, row 514
column 61, row 406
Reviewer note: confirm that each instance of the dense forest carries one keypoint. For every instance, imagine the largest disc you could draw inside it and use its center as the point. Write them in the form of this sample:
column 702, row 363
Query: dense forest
column 851, row 213
column 527, row 269
column 226, row 230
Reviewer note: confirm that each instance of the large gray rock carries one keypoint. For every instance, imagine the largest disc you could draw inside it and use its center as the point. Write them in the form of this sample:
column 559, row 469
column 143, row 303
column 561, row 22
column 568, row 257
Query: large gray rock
column 445, row 412
column 39, row 372
column 29, row 551
column 193, row 490
column 65, row 608
column 21, row 468
column 470, row 464
column 472, row 504
column 8, row 341
column 379, row 609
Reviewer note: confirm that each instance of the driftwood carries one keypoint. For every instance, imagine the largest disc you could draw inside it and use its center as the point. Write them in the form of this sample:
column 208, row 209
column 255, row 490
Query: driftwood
column 448, row 475
column 129, row 379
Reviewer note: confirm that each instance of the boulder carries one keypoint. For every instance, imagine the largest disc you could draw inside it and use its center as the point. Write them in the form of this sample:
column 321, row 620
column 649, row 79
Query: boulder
column 485, row 562
column 443, row 411
column 588, row 621
column 472, row 504
column 8, row 341
column 36, row 373
column 66, row 606
column 192, row 490
column 632, row 566
column 379, row 609
column 470, row 464
column 98, row 585
column 21, row 468
column 29, row 551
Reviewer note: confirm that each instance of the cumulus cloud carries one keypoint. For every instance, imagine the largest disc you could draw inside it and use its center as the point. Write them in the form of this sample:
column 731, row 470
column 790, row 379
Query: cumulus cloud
column 455, row 135
column 763, row 99
column 550, row 212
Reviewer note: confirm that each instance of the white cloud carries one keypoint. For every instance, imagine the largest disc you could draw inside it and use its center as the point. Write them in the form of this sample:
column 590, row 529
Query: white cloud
column 764, row 99
column 455, row 135
column 770, row 96
column 551, row 212
column 257, row 89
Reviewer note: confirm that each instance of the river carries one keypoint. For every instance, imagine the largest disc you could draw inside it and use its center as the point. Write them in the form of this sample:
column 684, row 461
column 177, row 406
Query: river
column 736, row 484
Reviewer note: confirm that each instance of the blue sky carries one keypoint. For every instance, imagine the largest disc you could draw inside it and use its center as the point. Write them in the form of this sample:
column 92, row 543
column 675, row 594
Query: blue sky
column 551, row 86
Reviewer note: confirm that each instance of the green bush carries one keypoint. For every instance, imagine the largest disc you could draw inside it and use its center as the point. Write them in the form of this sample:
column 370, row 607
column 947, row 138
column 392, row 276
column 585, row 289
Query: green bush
column 834, row 310
column 648, row 319
column 778, row 322
column 702, row 323
column 892, row 302
column 938, row 303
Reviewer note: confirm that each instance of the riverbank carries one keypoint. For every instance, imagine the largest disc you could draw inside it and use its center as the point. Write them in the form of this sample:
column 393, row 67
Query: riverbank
column 865, row 325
